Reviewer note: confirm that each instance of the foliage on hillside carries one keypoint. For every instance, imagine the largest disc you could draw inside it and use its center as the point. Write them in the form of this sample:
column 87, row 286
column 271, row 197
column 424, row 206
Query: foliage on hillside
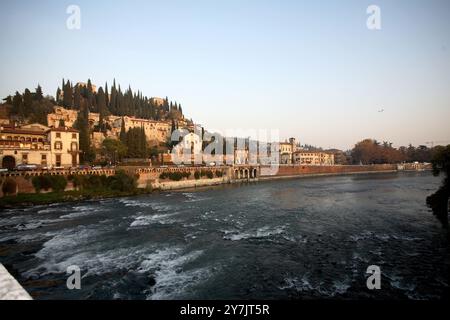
column 30, row 106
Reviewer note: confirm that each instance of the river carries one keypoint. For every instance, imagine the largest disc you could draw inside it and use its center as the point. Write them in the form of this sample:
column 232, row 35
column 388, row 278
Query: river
column 309, row 238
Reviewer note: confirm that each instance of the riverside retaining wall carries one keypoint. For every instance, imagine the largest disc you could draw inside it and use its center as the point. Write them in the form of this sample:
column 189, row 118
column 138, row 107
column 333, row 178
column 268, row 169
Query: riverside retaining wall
column 299, row 170
column 149, row 177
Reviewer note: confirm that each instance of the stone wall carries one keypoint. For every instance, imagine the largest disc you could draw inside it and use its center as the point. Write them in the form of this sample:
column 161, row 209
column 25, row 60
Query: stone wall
column 173, row 185
column 299, row 170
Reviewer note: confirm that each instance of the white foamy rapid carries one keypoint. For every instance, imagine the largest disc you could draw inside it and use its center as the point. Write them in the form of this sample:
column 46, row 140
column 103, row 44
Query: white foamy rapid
column 263, row 232
column 171, row 274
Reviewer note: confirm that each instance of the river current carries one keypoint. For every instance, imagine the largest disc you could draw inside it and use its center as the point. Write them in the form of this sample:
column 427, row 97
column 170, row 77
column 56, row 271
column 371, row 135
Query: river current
column 309, row 238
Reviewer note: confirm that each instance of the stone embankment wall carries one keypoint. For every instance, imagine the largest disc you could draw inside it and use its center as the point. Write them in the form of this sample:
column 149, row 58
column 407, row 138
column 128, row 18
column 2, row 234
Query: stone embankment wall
column 20, row 182
column 303, row 170
column 184, row 184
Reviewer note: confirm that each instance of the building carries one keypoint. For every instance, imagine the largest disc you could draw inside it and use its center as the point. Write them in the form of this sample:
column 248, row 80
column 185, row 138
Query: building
column 85, row 85
column 40, row 145
column 157, row 101
column 157, row 132
column 287, row 150
column 67, row 118
column 63, row 116
column 307, row 157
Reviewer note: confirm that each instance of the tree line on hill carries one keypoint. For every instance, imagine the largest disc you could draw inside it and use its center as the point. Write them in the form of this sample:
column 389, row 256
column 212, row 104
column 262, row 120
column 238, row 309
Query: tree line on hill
column 31, row 106
column 114, row 101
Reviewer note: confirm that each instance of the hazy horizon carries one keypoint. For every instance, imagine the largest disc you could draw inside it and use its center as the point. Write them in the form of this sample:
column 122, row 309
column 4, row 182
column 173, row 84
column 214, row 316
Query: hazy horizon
column 313, row 71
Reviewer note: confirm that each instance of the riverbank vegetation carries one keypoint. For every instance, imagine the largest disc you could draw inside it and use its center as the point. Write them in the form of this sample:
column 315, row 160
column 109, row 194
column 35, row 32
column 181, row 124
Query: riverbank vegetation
column 50, row 188
column 177, row 176
column 438, row 201
column 174, row 176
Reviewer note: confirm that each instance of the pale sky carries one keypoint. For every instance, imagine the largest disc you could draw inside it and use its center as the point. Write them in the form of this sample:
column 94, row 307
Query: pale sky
column 311, row 69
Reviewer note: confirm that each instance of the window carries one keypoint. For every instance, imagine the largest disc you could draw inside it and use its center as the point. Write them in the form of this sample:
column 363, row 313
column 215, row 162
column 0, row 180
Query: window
column 58, row 160
column 58, row 145
column 74, row 146
column 44, row 159
column 25, row 158
column 58, row 134
column 74, row 135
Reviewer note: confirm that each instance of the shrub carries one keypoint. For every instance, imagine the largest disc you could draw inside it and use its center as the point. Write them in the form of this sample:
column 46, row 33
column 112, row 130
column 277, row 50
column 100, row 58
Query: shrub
column 41, row 183
column 9, row 187
column 45, row 182
column 163, row 175
column 175, row 176
column 186, row 174
column 58, row 183
column 197, row 175
column 78, row 181
column 121, row 181
column 209, row 174
column 219, row 174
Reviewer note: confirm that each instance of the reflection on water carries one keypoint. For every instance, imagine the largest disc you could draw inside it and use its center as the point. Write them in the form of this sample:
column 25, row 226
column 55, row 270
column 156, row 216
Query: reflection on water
column 304, row 238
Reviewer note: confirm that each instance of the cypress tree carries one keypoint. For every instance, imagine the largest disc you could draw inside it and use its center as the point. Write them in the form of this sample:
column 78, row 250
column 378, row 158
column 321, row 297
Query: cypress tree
column 123, row 134
column 58, row 94
column 107, row 96
column 68, row 95
column 77, row 98
column 102, row 109
column 27, row 99
column 39, row 95
column 18, row 104
column 82, row 124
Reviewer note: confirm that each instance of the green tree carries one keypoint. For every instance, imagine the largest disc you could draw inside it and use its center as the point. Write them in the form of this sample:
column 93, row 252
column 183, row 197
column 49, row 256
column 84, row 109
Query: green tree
column 82, row 124
column 77, row 98
column 102, row 108
column 8, row 100
column 114, row 149
column 38, row 95
column 67, row 95
column 18, row 105
column 27, row 102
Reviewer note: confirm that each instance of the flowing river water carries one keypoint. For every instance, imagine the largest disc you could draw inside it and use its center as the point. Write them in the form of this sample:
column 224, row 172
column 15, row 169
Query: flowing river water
column 292, row 239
